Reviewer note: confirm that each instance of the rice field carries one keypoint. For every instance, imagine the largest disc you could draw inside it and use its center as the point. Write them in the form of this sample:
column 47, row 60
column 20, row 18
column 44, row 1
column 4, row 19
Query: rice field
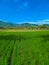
column 24, row 48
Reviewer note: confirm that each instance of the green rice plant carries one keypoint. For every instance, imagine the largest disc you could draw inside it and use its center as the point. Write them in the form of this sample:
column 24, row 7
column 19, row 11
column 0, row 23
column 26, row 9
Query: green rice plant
column 24, row 48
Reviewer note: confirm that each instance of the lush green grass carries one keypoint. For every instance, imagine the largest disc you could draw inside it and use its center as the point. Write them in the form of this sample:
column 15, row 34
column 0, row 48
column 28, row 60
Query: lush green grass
column 24, row 48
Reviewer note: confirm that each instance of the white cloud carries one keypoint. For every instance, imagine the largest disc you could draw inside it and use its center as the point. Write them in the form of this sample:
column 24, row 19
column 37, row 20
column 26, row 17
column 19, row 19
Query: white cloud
column 46, row 20
column 42, row 22
column 37, row 22
column 23, row 5
column 28, row 22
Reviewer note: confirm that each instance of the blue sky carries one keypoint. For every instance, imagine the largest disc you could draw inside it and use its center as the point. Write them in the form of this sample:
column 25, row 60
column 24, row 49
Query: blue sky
column 18, row 11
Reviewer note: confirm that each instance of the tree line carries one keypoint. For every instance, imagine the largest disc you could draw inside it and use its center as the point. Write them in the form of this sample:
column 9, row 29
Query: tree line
column 28, row 27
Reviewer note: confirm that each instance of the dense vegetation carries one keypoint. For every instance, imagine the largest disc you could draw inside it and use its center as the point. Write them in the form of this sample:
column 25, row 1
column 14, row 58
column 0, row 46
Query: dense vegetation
column 24, row 48
column 28, row 26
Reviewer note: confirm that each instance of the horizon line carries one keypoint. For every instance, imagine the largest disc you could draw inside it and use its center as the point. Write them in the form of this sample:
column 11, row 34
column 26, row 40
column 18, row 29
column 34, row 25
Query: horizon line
column 30, row 22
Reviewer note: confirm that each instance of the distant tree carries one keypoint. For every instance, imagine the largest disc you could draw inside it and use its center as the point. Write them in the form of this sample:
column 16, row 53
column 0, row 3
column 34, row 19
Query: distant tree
column 2, row 28
column 42, row 26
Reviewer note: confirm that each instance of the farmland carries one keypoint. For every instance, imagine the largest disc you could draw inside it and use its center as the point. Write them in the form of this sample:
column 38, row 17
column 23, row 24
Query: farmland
column 24, row 48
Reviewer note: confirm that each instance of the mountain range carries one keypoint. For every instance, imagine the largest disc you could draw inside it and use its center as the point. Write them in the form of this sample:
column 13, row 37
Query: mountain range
column 13, row 25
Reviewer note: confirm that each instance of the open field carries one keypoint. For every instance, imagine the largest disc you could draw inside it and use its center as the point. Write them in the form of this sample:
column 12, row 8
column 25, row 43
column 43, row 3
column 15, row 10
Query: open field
column 24, row 48
column 20, row 30
column 15, row 30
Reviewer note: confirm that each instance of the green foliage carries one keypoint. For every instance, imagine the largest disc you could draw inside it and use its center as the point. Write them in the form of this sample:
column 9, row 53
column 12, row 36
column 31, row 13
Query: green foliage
column 24, row 48
column 5, row 25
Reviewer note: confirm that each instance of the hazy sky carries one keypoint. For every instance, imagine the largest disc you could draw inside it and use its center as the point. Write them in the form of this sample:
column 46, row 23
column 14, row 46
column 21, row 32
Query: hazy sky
column 24, row 10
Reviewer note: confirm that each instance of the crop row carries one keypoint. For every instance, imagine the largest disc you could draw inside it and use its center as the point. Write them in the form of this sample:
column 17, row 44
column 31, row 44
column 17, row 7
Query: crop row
column 24, row 49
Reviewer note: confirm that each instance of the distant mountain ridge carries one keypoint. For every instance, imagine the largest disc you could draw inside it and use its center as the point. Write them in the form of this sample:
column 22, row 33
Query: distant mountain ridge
column 22, row 25
column 12, row 25
column 7, row 25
